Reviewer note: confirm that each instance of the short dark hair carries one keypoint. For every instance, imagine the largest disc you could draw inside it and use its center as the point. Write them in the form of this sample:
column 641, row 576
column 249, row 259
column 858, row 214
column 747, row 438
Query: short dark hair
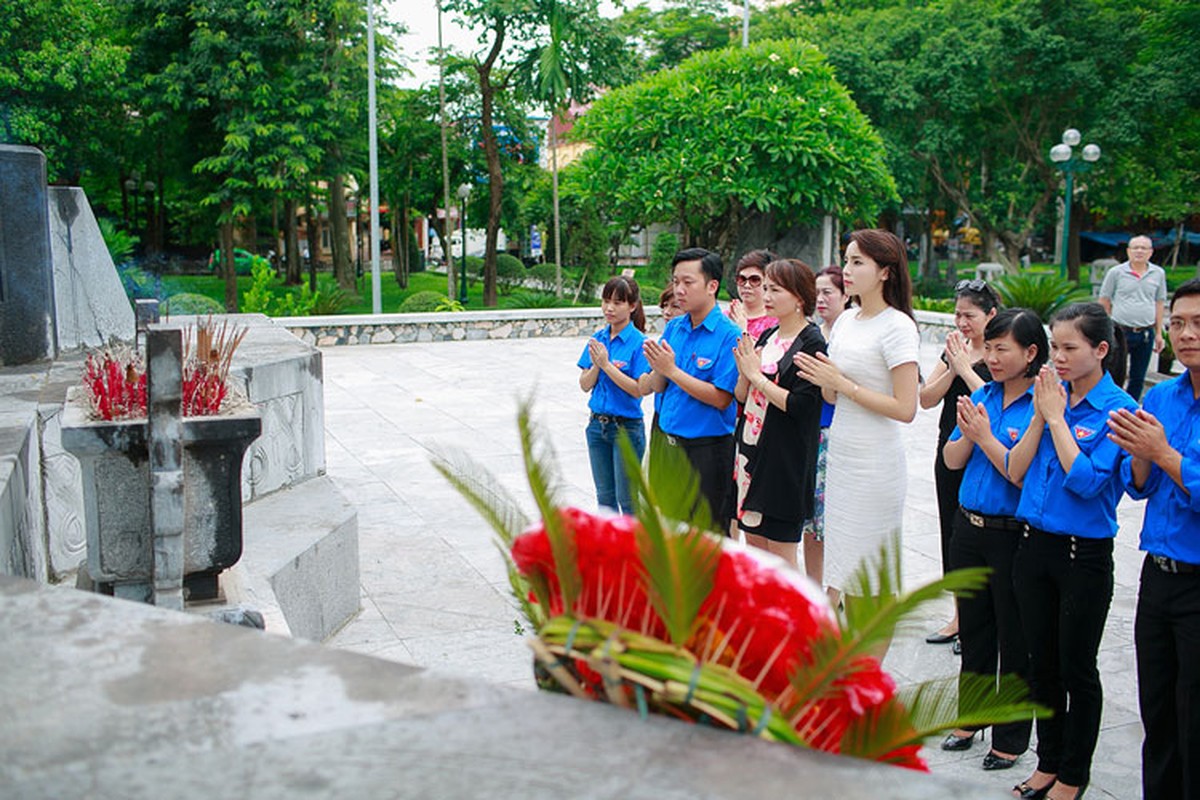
column 886, row 250
column 756, row 258
column 1186, row 289
column 1097, row 326
column 710, row 262
column 834, row 273
column 797, row 279
column 1026, row 328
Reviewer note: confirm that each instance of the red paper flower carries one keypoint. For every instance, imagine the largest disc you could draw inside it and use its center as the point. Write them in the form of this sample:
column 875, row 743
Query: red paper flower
column 759, row 620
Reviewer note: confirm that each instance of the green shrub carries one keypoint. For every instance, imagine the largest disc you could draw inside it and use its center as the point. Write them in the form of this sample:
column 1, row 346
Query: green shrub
column 261, row 297
column 449, row 304
column 509, row 273
column 186, row 303
column 530, row 299
column 658, row 271
column 330, row 298
column 120, row 243
column 942, row 304
column 1042, row 293
column 543, row 276
column 422, row 302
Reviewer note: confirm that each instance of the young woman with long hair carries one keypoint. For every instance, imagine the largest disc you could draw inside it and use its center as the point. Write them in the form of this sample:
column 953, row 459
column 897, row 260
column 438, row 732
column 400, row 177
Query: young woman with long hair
column 960, row 371
column 777, row 434
column 986, row 530
column 1070, row 478
column 611, row 363
column 870, row 375
column 831, row 302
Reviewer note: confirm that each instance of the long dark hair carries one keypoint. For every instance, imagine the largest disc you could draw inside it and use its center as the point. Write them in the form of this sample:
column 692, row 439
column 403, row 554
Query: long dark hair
column 1097, row 326
column 1026, row 329
column 620, row 288
column 886, row 250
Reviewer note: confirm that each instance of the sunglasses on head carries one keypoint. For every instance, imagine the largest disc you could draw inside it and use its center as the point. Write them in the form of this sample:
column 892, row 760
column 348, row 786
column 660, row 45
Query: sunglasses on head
column 749, row 279
column 974, row 285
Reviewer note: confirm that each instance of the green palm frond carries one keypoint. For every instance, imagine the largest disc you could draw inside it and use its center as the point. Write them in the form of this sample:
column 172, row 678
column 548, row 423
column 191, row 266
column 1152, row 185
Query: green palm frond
column 677, row 568
column 676, row 485
column 475, row 482
column 876, row 602
column 541, row 469
column 501, row 511
column 933, row 707
column 869, row 623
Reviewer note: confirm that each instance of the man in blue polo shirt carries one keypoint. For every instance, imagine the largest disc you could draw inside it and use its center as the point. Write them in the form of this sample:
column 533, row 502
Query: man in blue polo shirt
column 1163, row 439
column 692, row 366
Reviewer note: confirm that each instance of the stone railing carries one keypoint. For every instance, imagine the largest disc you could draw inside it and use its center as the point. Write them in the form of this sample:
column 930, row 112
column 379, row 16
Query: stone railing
column 331, row 331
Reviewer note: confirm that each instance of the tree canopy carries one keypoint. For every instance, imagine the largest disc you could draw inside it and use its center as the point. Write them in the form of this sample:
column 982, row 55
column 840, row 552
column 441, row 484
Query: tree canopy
column 729, row 132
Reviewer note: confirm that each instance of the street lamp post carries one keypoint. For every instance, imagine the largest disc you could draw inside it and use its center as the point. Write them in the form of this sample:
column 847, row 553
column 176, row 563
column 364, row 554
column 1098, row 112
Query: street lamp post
column 1063, row 157
column 464, row 193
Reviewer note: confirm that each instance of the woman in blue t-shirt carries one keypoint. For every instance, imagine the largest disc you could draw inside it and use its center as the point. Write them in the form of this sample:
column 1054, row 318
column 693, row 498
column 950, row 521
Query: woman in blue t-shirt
column 1070, row 478
column 986, row 530
column 612, row 362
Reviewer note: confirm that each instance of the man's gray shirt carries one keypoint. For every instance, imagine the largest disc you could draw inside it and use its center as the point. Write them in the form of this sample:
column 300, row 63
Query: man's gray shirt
column 1133, row 298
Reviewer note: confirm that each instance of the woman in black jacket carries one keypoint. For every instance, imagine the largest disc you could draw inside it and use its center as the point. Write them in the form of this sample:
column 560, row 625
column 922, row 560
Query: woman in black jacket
column 780, row 426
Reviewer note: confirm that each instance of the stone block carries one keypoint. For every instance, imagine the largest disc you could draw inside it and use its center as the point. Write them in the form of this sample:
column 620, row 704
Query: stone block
column 27, row 331
column 91, row 308
column 304, row 542
column 383, row 336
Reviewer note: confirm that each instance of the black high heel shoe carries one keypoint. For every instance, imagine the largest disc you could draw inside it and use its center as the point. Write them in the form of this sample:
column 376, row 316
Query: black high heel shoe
column 959, row 743
column 1027, row 792
column 992, row 761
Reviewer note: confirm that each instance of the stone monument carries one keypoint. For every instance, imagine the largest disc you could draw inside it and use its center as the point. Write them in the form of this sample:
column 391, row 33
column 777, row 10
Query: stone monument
column 27, row 329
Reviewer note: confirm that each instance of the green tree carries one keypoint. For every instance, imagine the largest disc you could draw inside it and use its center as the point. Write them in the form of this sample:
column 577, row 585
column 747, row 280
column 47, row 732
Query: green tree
column 969, row 95
column 664, row 38
column 734, row 133
column 62, row 82
column 517, row 35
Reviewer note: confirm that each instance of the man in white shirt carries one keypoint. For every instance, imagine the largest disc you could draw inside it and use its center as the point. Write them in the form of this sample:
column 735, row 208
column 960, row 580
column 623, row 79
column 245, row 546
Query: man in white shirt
column 1134, row 293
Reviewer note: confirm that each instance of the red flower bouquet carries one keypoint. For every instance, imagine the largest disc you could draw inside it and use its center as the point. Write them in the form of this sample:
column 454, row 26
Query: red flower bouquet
column 659, row 615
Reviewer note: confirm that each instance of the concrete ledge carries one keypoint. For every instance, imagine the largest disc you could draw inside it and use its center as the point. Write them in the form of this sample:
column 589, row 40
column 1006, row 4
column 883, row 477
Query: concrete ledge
column 331, row 331
column 300, row 560
column 105, row 698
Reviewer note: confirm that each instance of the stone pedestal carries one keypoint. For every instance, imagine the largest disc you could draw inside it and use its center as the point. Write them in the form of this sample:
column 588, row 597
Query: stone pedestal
column 27, row 331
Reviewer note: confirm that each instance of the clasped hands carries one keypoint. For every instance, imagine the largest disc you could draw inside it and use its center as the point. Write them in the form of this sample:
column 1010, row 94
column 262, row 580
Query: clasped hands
column 748, row 358
column 660, row 356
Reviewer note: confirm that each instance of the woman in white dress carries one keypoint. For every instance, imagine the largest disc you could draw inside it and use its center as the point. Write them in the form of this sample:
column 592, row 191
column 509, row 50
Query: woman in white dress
column 871, row 377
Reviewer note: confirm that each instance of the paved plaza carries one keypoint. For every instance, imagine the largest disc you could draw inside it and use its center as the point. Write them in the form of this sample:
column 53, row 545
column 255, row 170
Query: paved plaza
column 434, row 589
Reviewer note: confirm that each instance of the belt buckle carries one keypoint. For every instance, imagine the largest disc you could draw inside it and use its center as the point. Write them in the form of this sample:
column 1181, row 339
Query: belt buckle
column 671, row 440
column 975, row 519
column 1166, row 564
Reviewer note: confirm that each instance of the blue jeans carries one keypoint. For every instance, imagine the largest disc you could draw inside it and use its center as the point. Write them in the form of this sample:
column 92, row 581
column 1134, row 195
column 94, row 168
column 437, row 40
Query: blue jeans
column 1140, row 345
column 608, row 468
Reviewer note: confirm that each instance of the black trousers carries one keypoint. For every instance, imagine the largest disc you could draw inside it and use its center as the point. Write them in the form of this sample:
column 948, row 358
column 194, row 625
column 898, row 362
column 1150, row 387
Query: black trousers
column 1064, row 586
column 989, row 624
column 947, row 483
column 1167, row 634
column 712, row 458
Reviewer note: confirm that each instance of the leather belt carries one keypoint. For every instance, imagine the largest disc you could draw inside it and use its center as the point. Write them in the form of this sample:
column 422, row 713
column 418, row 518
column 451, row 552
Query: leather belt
column 699, row 441
column 1172, row 566
column 609, row 418
column 998, row 523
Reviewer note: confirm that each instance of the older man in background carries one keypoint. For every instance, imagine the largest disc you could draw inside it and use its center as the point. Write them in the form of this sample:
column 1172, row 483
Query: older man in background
column 1134, row 293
